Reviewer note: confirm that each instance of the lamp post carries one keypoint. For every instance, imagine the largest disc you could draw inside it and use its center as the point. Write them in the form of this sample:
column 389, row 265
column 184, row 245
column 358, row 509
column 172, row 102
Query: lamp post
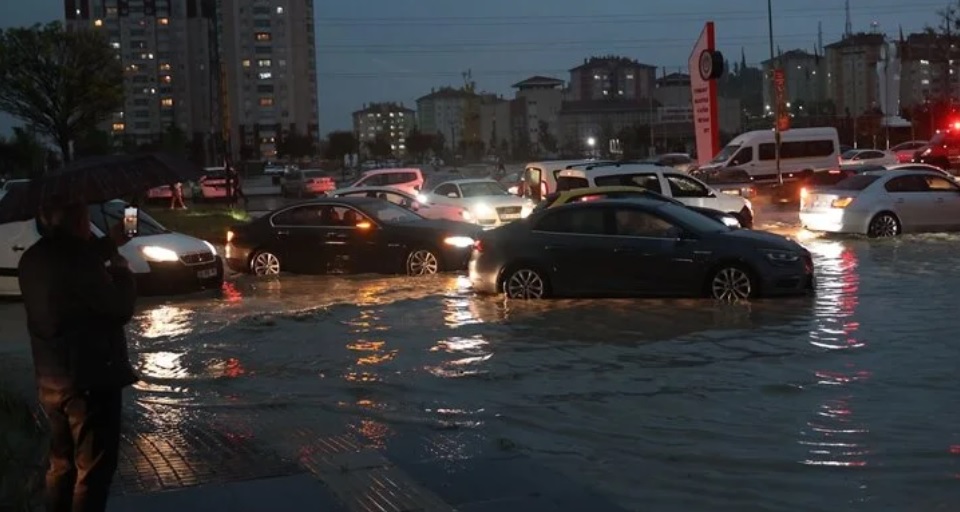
column 776, row 116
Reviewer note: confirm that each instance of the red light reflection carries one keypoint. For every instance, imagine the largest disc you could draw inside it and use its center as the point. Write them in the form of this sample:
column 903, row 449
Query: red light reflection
column 230, row 292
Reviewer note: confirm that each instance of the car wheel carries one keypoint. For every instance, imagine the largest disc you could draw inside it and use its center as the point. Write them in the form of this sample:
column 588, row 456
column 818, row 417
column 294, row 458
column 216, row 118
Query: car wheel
column 265, row 263
column 732, row 283
column 422, row 262
column 525, row 283
column 884, row 225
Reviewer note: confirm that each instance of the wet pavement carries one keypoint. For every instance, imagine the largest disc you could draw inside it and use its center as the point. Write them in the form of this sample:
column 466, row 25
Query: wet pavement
column 417, row 394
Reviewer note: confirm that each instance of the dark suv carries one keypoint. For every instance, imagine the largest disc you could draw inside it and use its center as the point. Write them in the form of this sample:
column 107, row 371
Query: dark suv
column 943, row 150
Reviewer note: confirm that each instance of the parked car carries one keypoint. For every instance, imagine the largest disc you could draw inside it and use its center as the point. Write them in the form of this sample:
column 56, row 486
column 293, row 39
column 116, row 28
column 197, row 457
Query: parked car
column 162, row 261
column 598, row 193
column 213, row 184
column 730, row 180
column 540, row 178
column 905, row 151
column 306, row 182
column 867, row 157
column 679, row 161
column 348, row 234
column 631, row 247
column 923, row 167
column 792, row 192
column 484, row 201
column 684, row 188
column 884, row 204
column 409, row 179
column 404, row 199
column 943, row 150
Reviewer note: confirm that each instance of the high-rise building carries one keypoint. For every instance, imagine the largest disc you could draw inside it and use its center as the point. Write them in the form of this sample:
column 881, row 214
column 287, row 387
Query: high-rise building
column 268, row 54
column 852, row 81
column 389, row 120
column 168, row 49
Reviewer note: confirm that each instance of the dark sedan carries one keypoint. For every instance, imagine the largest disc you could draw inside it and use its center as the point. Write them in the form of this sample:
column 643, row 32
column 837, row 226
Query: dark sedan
column 635, row 247
column 349, row 235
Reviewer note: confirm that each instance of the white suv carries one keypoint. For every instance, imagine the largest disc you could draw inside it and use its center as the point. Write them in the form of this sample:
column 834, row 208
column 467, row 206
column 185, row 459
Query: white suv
column 410, row 180
column 663, row 180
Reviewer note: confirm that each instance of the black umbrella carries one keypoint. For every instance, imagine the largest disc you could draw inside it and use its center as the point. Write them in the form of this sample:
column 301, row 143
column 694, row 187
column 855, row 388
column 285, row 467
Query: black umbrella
column 96, row 180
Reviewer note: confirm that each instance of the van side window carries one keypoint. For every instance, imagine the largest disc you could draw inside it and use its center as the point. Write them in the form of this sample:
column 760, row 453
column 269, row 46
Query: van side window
column 798, row 149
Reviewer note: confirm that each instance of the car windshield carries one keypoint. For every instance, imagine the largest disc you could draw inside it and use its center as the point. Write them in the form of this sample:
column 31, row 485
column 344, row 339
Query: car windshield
column 725, row 154
column 107, row 215
column 482, row 189
column 692, row 219
column 389, row 213
column 858, row 182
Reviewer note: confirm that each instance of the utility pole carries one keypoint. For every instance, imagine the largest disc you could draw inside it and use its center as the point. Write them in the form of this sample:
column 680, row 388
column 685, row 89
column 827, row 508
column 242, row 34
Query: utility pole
column 776, row 119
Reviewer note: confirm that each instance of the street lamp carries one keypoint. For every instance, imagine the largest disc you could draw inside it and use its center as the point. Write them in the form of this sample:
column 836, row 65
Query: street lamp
column 591, row 142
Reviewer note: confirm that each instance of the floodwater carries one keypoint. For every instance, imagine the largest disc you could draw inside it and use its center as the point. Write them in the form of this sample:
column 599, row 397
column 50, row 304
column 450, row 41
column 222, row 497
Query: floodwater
column 843, row 401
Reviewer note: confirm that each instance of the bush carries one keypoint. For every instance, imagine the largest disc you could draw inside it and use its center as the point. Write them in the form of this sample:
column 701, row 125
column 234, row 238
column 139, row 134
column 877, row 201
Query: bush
column 21, row 452
column 208, row 224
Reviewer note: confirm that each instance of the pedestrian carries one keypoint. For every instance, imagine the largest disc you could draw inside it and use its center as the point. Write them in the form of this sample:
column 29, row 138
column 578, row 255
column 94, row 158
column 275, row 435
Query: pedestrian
column 235, row 188
column 176, row 196
column 77, row 308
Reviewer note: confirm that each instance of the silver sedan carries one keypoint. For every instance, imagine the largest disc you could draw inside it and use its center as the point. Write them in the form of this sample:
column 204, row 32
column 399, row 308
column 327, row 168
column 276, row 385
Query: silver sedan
column 884, row 204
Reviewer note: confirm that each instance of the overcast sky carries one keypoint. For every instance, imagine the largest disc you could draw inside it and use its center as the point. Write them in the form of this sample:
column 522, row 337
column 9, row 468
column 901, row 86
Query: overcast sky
column 396, row 50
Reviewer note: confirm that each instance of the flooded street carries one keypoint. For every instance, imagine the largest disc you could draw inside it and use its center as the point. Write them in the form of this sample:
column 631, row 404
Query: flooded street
column 842, row 401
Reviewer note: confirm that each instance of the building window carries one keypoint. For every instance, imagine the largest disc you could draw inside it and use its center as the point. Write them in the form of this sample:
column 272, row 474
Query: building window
column 245, row 63
column 265, row 88
column 261, row 23
column 264, row 63
column 263, row 49
column 266, row 75
column 163, row 21
column 279, row 10
column 266, row 101
column 282, row 63
column 166, row 79
column 262, row 36
column 165, row 67
column 118, row 127
column 142, row 126
column 97, row 23
column 141, row 114
column 166, row 102
column 261, row 10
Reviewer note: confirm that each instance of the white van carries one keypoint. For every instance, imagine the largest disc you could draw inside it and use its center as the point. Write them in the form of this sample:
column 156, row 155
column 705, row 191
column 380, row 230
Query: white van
column 800, row 149
column 540, row 178
column 662, row 180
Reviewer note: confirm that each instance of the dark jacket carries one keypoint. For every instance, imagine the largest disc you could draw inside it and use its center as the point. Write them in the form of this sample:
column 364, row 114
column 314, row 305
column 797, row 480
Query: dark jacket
column 76, row 312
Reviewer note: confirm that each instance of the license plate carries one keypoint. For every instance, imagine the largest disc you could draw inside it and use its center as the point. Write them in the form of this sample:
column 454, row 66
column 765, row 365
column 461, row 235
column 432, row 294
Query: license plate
column 732, row 192
column 510, row 216
column 207, row 274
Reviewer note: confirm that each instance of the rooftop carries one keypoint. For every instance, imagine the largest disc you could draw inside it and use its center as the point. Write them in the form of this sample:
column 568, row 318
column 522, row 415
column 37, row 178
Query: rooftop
column 610, row 61
column 447, row 93
column 861, row 39
column 538, row 81
column 797, row 54
column 383, row 108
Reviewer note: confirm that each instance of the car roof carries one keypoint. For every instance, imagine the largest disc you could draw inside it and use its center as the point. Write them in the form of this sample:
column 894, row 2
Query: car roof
column 391, row 169
column 464, row 181
column 613, row 169
column 370, row 189
column 601, row 190
column 352, row 201
column 896, row 173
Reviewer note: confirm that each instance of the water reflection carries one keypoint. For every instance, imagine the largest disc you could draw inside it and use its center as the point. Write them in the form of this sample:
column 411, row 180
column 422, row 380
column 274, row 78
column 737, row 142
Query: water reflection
column 165, row 321
column 471, row 355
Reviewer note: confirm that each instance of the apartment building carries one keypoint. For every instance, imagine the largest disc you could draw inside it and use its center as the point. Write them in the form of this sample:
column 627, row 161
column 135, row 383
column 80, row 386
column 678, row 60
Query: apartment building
column 454, row 113
column 804, row 77
column 268, row 54
column 169, row 53
column 392, row 120
column 852, row 80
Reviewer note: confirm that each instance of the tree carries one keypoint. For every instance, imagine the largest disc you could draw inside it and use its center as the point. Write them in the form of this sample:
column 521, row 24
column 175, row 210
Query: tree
column 340, row 144
column 547, row 141
column 297, row 146
column 62, row 83
column 380, row 146
column 93, row 143
column 419, row 143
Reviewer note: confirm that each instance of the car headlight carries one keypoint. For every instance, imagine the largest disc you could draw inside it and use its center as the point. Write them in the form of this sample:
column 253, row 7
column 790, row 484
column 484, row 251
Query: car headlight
column 467, row 216
column 459, row 241
column 730, row 222
column 154, row 253
column 782, row 256
column 211, row 247
column 926, row 152
column 483, row 211
column 423, row 199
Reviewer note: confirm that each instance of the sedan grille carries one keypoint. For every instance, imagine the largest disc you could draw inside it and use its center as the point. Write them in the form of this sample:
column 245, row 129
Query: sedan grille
column 197, row 258
column 509, row 212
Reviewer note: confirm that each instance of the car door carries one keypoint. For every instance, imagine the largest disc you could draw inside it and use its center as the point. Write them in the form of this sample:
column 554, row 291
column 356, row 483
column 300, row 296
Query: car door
column 298, row 236
column 944, row 203
column 910, row 201
column 577, row 247
column 649, row 256
column 352, row 242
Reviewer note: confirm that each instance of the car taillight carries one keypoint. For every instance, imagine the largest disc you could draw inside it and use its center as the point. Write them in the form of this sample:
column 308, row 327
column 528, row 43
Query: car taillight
column 842, row 202
column 478, row 246
column 229, row 235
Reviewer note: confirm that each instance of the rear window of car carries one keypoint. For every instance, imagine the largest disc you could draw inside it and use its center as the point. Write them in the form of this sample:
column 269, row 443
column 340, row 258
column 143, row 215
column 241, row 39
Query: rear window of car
column 859, row 182
column 571, row 183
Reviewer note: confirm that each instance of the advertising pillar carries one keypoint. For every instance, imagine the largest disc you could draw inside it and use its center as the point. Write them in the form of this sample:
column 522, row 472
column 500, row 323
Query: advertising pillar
column 706, row 66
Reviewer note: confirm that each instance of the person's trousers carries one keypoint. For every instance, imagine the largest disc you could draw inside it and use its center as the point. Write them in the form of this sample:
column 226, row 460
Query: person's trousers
column 84, row 446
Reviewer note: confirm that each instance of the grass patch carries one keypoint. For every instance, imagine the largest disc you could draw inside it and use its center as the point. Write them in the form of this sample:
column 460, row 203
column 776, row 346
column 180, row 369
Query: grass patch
column 21, row 452
column 205, row 223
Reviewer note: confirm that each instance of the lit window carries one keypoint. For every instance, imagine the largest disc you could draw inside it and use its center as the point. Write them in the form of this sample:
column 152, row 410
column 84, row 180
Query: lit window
column 115, row 45
column 118, row 127
column 263, row 36
column 98, row 23
column 134, row 67
column 266, row 102
column 264, row 63
column 266, row 75
column 282, row 63
column 630, row 76
column 246, row 63
column 391, row 114
column 165, row 67
column 401, row 114
column 279, row 10
column 149, row 55
column 163, row 21
column 166, row 102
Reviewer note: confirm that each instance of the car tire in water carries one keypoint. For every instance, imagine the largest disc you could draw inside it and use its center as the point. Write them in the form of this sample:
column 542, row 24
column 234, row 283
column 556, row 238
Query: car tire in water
column 422, row 262
column 884, row 225
column 525, row 282
column 732, row 283
column 265, row 263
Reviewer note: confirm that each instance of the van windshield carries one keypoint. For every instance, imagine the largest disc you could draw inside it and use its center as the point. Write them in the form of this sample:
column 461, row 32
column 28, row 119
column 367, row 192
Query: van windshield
column 725, row 154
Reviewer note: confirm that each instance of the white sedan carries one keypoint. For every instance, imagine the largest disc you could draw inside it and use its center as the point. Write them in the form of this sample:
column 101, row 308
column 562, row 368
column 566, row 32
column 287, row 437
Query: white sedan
column 884, row 204
column 868, row 157
column 483, row 201
column 161, row 261
column 405, row 199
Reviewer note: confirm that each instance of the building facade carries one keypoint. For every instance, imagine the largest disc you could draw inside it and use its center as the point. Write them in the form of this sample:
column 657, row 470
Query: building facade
column 852, row 81
column 495, row 130
column 929, row 69
column 542, row 99
column 450, row 112
column 169, row 52
column 804, row 77
column 268, row 53
column 391, row 120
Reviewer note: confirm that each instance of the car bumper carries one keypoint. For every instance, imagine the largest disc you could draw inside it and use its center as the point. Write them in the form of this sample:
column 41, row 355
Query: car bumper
column 788, row 283
column 483, row 276
column 237, row 258
column 834, row 221
column 176, row 277
column 455, row 259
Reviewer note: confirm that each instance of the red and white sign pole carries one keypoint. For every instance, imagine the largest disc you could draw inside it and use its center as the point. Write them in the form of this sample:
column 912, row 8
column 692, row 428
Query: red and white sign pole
column 706, row 65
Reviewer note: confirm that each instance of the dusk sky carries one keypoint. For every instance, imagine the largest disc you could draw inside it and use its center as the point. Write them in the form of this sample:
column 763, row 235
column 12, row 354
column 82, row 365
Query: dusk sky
column 396, row 50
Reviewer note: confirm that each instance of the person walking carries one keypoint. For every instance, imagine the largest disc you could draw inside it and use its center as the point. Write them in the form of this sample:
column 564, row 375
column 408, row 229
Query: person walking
column 77, row 308
column 235, row 188
column 176, row 197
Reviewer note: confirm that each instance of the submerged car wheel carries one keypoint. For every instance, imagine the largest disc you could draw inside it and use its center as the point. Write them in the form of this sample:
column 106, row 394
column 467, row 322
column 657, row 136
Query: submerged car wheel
column 265, row 264
column 884, row 225
column 422, row 262
column 525, row 283
column 732, row 283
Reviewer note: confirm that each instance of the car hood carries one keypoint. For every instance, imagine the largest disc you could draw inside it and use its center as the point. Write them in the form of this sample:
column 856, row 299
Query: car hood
column 762, row 239
column 177, row 242
column 495, row 201
column 439, row 226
